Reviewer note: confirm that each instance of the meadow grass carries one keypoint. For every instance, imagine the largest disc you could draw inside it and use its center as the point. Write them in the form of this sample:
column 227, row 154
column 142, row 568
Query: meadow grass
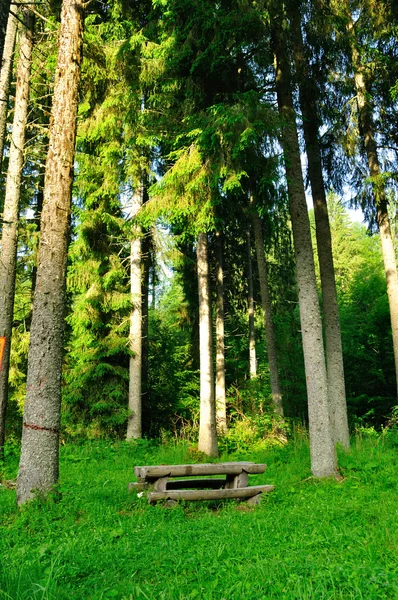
column 308, row 539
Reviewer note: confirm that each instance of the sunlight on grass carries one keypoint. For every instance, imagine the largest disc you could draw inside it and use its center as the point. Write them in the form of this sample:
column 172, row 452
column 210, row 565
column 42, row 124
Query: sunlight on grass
column 308, row 539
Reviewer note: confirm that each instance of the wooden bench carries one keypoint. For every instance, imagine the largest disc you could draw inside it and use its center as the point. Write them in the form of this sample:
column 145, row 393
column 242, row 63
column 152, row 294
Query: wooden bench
column 161, row 484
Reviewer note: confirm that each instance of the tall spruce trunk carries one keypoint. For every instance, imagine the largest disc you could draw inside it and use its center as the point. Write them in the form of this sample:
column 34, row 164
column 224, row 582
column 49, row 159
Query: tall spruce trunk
column 323, row 453
column 4, row 14
column 134, row 424
column 39, row 464
column 250, row 306
column 221, row 408
column 267, row 311
column 334, row 350
column 365, row 110
column 9, row 239
column 5, row 78
column 207, row 420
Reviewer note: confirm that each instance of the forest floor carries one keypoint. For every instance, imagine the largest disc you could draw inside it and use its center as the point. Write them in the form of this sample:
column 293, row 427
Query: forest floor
column 307, row 540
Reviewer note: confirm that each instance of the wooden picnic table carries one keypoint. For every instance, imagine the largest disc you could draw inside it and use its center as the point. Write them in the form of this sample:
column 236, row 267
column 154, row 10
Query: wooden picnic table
column 198, row 482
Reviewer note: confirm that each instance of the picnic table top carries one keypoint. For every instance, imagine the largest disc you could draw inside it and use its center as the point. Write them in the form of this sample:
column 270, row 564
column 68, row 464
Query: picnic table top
column 227, row 468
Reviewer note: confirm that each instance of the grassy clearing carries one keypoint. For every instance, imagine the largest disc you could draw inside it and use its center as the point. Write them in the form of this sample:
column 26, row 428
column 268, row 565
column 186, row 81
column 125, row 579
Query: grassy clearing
column 309, row 539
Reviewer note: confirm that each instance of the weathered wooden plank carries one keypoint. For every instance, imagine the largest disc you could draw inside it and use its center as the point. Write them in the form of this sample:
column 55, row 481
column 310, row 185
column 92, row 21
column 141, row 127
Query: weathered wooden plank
column 231, row 468
column 237, row 481
column 161, row 484
column 247, row 492
column 137, row 486
column 182, row 484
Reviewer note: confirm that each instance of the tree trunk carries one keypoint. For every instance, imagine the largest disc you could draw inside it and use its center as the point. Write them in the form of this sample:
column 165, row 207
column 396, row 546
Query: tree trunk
column 146, row 258
column 9, row 240
column 5, row 78
column 250, row 303
column 221, row 409
column 207, row 426
column 365, row 110
column 323, row 454
column 134, row 425
column 38, row 468
column 267, row 310
column 334, row 350
column 4, row 14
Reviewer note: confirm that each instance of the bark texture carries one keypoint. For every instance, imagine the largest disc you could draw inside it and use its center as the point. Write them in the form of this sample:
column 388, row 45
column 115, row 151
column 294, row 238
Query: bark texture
column 365, row 110
column 5, row 78
column 4, row 13
column 334, row 350
column 323, row 454
column 134, row 425
column 9, row 239
column 267, row 310
column 207, row 426
column 38, row 469
column 221, row 409
column 250, row 306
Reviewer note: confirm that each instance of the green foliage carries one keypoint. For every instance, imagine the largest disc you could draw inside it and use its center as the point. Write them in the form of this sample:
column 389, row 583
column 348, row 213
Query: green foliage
column 307, row 539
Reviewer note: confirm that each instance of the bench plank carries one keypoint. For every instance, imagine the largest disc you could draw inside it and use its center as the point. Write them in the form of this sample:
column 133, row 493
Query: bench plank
column 231, row 468
column 246, row 492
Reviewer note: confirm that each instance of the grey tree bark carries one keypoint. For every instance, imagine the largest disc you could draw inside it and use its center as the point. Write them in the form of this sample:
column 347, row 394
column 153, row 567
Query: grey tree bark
column 5, row 78
column 221, row 408
column 4, row 13
column 365, row 110
column 250, row 306
column 267, row 311
column 38, row 467
column 207, row 424
column 9, row 239
column 334, row 350
column 134, row 424
column 323, row 453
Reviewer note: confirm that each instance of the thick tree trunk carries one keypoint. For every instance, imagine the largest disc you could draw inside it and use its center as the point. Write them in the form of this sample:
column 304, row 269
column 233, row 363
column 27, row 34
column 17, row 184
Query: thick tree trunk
column 379, row 193
column 8, row 256
column 4, row 14
column 134, row 425
column 323, row 453
column 221, row 409
column 334, row 350
column 207, row 425
column 5, row 78
column 267, row 310
column 250, row 306
column 38, row 468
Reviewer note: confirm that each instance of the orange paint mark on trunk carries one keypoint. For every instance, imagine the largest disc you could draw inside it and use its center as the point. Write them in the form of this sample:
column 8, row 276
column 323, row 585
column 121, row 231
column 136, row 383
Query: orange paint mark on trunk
column 2, row 348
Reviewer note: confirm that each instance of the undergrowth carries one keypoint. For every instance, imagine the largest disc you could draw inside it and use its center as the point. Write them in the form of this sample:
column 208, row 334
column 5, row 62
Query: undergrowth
column 308, row 539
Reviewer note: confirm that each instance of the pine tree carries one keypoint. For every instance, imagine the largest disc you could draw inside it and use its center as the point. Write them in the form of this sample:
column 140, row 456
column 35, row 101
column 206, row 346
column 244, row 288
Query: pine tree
column 9, row 239
column 5, row 76
column 323, row 455
column 334, row 352
column 221, row 409
column 38, row 468
column 367, row 131
column 4, row 14
column 207, row 427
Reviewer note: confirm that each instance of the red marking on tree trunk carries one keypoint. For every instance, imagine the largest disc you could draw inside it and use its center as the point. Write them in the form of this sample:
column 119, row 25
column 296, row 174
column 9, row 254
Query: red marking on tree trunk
column 40, row 428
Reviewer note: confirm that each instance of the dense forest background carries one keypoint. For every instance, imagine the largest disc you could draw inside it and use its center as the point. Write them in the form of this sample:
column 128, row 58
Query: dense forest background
column 180, row 134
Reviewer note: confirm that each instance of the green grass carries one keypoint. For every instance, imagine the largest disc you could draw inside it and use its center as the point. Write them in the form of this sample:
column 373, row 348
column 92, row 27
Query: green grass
column 308, row 540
